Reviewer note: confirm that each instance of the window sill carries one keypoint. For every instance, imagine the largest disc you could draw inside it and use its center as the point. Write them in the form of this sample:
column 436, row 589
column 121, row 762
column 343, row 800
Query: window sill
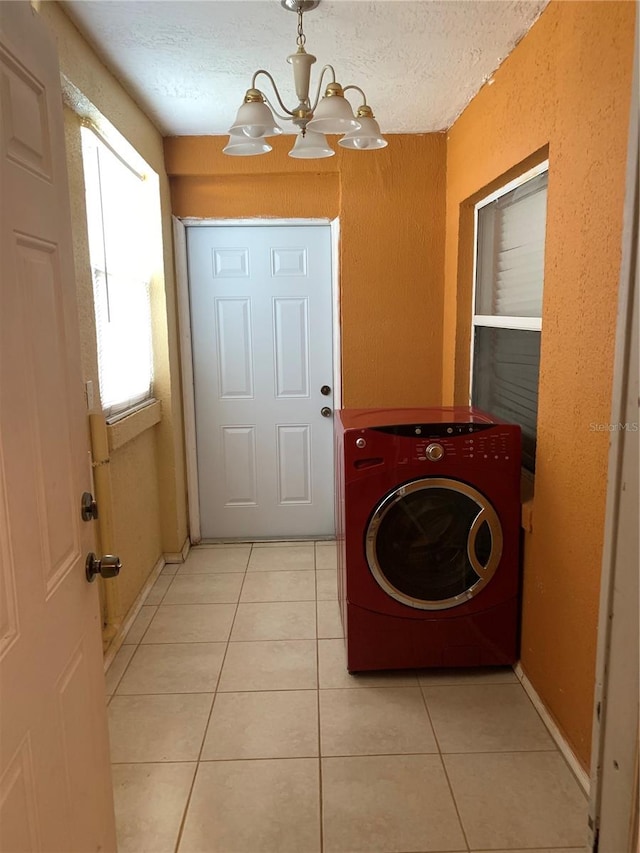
column 126, row 429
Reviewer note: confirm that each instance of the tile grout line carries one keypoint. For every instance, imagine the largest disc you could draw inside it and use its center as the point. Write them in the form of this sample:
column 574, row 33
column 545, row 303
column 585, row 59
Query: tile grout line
column 141, row 643
column 208, row 723
column 138, row 644
column 156, row 763
column 221, row 643
column 227, row 760
column 226, row 692
column 136, row 648
column 443, row 765
column 199, row 760
column 547, row 849
column 297, row 757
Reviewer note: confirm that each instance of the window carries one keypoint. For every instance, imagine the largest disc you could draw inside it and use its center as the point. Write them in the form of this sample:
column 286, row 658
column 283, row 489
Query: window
column 507, row 320
column 119, row 214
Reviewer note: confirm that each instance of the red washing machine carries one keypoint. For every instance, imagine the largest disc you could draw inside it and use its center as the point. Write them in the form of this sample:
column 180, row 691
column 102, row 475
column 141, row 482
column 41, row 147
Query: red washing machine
column 428, row 527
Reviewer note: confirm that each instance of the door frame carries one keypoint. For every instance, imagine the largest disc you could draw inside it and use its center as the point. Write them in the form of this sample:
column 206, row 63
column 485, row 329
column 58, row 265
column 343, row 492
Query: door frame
column 180, row 226
column 614, row 734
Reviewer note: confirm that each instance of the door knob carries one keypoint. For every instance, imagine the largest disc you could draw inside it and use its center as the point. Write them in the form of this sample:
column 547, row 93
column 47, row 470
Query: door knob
column 107, row 566
column 325, row 390
column 325, row 411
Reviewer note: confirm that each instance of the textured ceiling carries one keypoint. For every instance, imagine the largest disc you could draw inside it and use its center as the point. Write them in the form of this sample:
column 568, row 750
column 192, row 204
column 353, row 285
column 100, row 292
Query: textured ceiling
column 188, row 63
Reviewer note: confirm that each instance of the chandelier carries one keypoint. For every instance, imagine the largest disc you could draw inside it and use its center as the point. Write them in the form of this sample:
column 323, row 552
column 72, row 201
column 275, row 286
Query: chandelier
column 332, row 113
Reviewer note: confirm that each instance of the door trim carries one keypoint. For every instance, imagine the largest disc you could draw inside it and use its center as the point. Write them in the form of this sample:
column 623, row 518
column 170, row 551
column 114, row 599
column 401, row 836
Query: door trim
column 186, row 353
column 613, row 815
column 186, row 370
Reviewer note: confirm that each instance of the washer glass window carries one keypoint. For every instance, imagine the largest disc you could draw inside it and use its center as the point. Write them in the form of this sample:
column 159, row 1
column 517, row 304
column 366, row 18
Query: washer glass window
column 433, row 543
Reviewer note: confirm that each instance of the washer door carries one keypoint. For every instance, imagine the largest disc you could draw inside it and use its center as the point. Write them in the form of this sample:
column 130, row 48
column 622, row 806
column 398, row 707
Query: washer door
column 433, row 543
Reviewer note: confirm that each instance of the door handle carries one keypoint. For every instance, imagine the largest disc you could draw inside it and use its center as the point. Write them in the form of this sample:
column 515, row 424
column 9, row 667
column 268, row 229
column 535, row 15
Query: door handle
column 325, row 411
column 107, row 567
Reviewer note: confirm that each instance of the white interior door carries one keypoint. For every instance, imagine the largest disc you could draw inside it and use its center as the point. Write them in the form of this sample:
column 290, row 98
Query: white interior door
column 55, row 783
column 261, row 314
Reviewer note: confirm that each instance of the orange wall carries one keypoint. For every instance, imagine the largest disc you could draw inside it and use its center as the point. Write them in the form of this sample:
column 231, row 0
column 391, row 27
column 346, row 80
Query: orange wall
column 567, row 86
column 391, row 206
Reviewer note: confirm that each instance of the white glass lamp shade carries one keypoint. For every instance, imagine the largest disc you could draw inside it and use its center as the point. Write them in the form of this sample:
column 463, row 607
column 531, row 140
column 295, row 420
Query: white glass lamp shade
column 366, row 138
column 255, row 120
column 311, row 146
column 333, row 114
column 241, row 146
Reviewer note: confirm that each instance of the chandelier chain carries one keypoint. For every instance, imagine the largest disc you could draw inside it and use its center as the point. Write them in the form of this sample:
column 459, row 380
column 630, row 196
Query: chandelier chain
column 300, row 41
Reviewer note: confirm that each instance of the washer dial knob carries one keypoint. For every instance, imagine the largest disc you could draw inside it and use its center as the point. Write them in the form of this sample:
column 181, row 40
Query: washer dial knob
column 435, row 452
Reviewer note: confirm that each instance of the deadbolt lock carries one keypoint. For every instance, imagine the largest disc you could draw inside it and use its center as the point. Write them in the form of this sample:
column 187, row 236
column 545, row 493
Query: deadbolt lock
column 325, row 390
column 89, row 507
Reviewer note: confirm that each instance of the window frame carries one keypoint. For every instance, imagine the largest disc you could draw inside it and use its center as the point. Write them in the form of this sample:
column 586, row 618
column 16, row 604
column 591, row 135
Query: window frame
column 141, row 171
column 517, row 323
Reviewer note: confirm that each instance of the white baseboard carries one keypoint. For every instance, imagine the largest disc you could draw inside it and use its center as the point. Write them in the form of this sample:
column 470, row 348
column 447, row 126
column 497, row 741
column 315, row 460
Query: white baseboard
column 567, row 753
column 178, row 556
column 128, row 620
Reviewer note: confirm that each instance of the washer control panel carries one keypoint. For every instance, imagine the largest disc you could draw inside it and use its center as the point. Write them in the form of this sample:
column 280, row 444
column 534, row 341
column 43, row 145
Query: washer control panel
column 434, row 431
column 435, row 447
column 431, row 443
column 493, row 446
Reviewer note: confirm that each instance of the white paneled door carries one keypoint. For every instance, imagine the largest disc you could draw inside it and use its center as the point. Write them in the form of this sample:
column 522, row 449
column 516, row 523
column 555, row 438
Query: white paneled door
column 261, row 315
column 55, row 783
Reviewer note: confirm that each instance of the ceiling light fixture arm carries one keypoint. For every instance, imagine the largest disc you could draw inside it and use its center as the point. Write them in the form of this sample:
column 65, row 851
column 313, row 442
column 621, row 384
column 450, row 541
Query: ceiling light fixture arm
column 364, row 111
column 275, row 89
column 358, row 89
column 282, row 117
column 320, row 82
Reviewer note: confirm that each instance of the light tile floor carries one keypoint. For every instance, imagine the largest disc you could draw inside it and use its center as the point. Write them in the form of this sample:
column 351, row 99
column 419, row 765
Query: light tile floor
column 235, row 728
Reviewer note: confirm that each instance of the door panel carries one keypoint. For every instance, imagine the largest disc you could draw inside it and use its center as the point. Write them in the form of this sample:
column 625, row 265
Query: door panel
column 239, row 459
column 294, row 469
column 261, row 316
column 291, row 347
column 38, row 281
column 55, row 783
column 234, row 352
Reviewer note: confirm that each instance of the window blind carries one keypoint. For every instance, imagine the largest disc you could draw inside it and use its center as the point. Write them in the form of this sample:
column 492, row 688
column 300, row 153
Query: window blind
column 505, row 380
column 511, row 252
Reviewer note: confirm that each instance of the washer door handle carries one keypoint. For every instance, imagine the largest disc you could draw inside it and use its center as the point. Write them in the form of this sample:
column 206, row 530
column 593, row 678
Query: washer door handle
column 496, row 544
